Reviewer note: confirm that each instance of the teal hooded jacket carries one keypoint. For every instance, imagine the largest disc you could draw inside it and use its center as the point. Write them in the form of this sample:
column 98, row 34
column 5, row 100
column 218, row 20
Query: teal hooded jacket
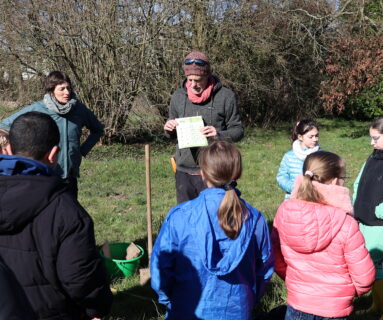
column 70, row 126
column 198, row 272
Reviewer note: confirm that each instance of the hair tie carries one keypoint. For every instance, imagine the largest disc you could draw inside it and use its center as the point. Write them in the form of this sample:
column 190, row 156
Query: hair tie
column 230, row 185
column 309, row 173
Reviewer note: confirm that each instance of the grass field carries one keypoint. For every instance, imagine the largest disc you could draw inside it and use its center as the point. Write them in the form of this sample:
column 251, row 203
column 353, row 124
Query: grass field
column 112, row 189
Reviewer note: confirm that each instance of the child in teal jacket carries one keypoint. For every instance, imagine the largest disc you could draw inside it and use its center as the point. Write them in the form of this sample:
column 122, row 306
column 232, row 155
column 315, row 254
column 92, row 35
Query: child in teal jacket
column 368, row 208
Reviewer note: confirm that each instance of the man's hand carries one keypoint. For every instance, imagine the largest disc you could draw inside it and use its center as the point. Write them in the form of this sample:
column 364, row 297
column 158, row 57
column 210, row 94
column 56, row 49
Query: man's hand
column 209, row 131
column 170, row 125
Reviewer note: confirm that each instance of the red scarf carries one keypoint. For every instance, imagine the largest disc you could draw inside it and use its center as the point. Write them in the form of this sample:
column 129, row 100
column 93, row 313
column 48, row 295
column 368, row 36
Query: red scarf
column 204, row 95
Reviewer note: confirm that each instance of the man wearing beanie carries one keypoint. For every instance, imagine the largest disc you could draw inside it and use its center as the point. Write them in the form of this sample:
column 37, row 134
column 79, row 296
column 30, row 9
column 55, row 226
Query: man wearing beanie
column 201, row 94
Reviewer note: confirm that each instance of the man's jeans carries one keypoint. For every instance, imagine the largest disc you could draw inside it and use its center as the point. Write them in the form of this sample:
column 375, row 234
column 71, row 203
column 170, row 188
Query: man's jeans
column 293, row 314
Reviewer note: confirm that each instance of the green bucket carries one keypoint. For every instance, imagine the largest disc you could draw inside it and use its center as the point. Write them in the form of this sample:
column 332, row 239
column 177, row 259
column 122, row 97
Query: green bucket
column 116, row 266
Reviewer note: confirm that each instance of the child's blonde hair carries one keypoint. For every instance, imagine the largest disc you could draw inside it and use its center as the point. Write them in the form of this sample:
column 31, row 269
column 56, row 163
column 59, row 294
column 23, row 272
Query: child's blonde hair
column 320, row 166
column 221, row 164
column 4, row 138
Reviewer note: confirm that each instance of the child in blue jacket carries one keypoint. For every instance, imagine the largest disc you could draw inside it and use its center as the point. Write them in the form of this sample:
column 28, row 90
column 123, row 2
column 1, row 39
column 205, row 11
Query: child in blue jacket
column 213, row 258
column 305, row 138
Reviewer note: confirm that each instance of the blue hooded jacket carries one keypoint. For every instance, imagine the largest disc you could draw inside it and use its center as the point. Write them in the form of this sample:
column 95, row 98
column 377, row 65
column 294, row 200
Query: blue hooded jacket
column 200, row 273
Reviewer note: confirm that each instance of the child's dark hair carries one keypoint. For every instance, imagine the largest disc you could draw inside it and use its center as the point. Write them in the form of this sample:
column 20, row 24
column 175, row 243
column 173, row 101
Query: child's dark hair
column 377, row 124
column 221, row 164
column 302, row 127
column 320, row 166
column 33, row 134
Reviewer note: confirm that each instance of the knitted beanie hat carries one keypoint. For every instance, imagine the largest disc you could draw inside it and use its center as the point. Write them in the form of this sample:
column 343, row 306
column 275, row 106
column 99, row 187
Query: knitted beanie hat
column 195, row 69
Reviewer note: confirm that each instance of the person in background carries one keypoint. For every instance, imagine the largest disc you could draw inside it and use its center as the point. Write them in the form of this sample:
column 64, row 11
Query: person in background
column 70, row 115
column 305, row 139
column 4, row 140
column 212, row 258
column 201, row 94
column 319, row 251
column 368, row 206
column 46, row 237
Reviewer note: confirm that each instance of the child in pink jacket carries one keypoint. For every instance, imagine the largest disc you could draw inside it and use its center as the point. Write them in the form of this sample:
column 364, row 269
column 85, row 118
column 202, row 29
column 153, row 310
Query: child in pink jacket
column 319, row 250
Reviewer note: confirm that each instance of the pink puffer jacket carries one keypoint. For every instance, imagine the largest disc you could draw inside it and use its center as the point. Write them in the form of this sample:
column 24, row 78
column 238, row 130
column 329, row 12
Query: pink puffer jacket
column 321, row 255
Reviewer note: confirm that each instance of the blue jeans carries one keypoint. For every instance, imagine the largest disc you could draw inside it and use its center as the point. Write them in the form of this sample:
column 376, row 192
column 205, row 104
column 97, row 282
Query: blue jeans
column 293, row 314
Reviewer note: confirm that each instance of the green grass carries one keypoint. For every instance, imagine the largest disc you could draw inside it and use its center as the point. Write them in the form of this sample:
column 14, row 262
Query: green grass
column 112, row 189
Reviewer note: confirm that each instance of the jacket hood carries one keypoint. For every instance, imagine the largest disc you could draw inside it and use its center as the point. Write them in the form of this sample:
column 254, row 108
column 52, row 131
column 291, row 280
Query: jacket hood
column 24, row 195
column 217, row 87
column 308, row 227
column 219, row 254
column 16, row 165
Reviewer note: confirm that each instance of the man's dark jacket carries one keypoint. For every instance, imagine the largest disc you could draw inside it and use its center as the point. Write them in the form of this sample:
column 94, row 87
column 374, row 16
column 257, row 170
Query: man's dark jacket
column 220, row 111
column 47, row 240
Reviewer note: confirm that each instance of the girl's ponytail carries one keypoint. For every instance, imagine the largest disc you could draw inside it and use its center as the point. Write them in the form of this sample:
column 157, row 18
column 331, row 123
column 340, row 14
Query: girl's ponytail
column 221, row 165
column 322, row 167
column 231, row 212
column 306, row 189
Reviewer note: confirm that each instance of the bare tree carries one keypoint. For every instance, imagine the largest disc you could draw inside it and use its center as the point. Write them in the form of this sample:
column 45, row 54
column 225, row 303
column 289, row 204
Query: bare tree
column 123, row 54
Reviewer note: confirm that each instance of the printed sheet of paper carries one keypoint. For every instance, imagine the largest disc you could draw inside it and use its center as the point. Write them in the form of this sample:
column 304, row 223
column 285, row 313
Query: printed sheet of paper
column 189, row 134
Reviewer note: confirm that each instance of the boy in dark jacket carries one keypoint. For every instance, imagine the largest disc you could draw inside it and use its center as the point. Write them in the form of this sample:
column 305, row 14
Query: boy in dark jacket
column 46, row 237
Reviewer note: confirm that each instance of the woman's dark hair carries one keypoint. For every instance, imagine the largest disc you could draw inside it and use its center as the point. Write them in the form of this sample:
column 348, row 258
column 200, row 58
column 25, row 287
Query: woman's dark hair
column 377, row 124
column 221, row 163
column 55, row 78
column 320, row 166
column 302, row 127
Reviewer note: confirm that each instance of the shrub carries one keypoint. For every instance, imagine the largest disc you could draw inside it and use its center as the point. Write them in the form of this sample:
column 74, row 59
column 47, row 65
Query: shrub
column 368, row 104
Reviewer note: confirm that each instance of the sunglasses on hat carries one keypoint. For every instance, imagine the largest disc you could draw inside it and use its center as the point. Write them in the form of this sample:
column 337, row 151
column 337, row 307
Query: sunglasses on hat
column 198, row 62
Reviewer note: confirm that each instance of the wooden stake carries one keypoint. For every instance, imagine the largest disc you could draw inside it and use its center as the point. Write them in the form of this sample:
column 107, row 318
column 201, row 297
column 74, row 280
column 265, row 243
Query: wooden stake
column 145, row 273
column 148, row 201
